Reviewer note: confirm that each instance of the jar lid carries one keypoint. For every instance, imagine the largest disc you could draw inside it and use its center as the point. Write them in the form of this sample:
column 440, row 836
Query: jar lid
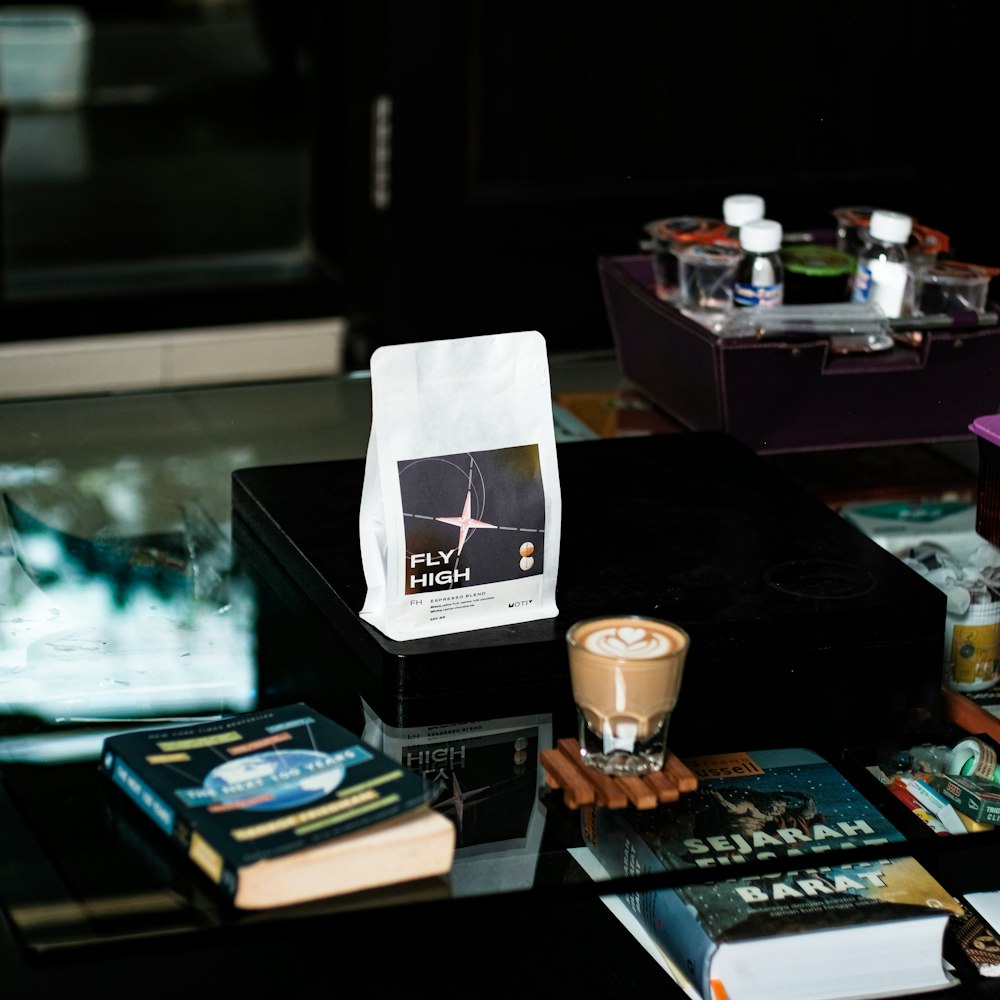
column 685, row 229
column 761, row 236
column 817, row 260
column 708, row 254
column 892, row 227
column 948, row 272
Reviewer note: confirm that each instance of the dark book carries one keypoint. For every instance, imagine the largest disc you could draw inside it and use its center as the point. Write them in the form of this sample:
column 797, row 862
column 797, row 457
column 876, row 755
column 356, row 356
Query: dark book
column 747, row 807
column 975, row 934
column 851, row 931
column 832, row 931
column 282, row 806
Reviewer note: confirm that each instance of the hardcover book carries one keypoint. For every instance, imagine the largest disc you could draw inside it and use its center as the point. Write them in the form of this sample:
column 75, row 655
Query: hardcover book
column 282, row 806
column 834, row 932
column 828, row 931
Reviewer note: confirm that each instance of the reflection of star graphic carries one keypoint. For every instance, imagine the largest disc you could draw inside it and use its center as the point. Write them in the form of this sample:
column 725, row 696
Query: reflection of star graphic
column 458, row 799
column 465, row 521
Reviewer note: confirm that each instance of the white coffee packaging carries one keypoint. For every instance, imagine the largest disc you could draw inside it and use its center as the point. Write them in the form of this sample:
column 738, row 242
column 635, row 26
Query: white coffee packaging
column 461, row 506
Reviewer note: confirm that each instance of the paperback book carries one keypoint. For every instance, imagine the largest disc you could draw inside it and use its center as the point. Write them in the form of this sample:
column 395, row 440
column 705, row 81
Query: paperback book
column 282, row 806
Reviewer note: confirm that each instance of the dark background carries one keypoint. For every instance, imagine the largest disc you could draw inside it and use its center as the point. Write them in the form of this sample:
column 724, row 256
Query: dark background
column 526, row 140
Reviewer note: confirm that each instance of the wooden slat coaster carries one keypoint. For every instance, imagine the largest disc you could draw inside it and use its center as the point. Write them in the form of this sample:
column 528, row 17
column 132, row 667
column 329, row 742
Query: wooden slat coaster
column 561, row 772
column 680, row 772
column 606, row 790
column 582, row 785
column 638, row 792
column 664, row 784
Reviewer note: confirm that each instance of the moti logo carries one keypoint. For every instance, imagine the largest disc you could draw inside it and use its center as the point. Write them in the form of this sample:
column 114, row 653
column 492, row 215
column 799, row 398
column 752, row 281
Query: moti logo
column 518, row 604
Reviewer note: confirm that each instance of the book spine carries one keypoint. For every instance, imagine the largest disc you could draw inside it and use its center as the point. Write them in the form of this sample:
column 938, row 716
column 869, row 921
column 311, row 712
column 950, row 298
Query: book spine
column 661, row 911
column 153, row 805
column 677, row 931
column 620, row 851
column 199, row 850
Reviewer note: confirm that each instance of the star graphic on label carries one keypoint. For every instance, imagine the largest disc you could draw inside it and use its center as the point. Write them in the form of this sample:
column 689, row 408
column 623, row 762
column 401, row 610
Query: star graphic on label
column 465, row 521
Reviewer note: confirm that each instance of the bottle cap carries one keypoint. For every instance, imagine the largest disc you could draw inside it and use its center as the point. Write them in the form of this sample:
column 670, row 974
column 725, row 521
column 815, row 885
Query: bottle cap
column 761, row 236
column 740, row 208
column 890, row 227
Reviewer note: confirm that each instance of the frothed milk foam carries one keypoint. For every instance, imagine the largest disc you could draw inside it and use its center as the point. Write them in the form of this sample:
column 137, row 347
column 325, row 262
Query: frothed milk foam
column 626, row 669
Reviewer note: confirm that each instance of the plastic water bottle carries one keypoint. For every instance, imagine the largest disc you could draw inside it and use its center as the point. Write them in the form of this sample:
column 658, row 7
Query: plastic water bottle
column 760, row 275
column 883, row 274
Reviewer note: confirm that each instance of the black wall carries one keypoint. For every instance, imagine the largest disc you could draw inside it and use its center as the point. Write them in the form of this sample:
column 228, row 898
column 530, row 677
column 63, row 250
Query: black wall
column 528, row 139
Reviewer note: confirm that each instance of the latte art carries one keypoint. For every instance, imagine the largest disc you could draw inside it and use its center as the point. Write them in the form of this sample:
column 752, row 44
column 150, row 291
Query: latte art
column 628, row 642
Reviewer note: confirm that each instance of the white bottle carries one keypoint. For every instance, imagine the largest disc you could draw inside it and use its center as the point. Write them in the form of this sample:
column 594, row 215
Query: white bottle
column 884, row 275
column 760, row 275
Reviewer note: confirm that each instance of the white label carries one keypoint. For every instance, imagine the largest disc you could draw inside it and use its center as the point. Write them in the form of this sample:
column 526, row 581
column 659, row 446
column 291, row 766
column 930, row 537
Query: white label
column 882, row 282
column 888, row 285
column 758, row 295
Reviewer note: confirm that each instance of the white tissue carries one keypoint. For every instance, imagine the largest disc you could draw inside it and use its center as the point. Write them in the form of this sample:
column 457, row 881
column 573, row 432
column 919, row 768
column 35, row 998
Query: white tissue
column 958, row 580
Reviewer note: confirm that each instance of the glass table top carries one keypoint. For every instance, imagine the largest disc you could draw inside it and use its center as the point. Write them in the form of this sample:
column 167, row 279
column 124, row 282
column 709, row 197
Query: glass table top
column 117, row 609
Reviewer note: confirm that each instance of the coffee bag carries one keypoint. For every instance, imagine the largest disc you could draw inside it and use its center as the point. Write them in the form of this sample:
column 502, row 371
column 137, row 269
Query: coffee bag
column 461, row 507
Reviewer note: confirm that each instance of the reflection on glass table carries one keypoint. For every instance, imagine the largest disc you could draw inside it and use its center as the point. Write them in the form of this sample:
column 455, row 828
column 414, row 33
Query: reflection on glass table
column 486, row 775
column 115, row 629
column 134, row 489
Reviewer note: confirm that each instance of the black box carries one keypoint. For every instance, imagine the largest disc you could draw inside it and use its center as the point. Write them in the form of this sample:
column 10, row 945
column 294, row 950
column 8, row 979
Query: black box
column 803, row 630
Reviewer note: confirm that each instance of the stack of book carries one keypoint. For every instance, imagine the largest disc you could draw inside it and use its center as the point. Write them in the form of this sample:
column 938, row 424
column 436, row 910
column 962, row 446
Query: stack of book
column 830, row 929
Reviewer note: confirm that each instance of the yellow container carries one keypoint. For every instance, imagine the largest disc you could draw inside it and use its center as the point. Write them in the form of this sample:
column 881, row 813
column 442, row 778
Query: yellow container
column 973, row 644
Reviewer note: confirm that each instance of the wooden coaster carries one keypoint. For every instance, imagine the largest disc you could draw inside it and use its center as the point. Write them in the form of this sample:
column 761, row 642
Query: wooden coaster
column 582, row 785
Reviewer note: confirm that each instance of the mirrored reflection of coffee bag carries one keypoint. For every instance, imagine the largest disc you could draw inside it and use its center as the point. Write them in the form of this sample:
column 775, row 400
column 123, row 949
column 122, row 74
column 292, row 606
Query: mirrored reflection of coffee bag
column 461, row 505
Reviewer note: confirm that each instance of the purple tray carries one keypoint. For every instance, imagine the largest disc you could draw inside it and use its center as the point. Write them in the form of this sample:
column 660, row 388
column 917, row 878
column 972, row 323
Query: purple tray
column 779, row 396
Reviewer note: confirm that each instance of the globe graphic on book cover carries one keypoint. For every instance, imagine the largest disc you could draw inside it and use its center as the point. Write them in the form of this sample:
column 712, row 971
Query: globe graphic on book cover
column 276, row 779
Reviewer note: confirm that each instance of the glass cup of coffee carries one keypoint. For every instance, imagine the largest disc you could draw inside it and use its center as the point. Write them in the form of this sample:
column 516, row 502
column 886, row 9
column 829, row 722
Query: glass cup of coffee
column 626, row 673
